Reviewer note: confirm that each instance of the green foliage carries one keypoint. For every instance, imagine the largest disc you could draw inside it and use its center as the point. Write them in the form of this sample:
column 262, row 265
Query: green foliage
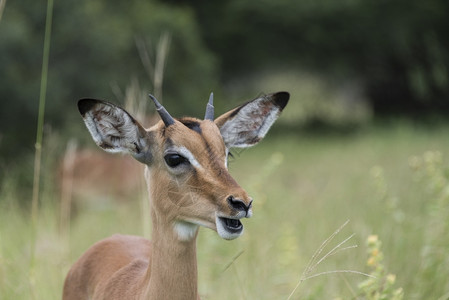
column 396, row 49
column 303, row 187
column 433, row 176
column 315, row 100
column 93, row 48
column 431, row 181
column 396, row 64
column 381, row 285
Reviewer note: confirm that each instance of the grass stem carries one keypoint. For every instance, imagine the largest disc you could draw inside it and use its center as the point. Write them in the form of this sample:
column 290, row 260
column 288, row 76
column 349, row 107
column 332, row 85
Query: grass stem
column 2, row 8
column 315, row 260
column 41, row 112
column 39, row 137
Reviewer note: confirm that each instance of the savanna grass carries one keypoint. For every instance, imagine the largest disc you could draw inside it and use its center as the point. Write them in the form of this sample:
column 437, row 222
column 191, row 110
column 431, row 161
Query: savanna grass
column 303, row 187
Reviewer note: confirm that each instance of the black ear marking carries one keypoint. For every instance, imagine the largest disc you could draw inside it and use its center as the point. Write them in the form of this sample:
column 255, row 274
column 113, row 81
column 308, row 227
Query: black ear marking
column 86, row 104
column 280, row 99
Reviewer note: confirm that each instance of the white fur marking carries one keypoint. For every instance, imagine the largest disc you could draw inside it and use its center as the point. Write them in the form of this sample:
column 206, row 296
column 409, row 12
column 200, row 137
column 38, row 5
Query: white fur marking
column 223, row 233
column 186, row 231
column 226, row 157
column 187, row 154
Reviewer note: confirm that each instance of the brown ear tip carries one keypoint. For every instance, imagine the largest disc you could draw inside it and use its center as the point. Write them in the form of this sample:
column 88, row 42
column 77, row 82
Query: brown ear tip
column 86, row 104
column 281, row 99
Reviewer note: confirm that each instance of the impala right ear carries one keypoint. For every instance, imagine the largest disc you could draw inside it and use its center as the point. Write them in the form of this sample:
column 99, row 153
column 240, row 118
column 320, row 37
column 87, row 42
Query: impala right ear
column 246, row 125
column 114, row 130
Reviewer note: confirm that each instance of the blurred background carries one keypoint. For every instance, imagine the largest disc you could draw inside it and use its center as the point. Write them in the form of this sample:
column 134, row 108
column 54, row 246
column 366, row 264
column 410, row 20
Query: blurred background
column 364, row 137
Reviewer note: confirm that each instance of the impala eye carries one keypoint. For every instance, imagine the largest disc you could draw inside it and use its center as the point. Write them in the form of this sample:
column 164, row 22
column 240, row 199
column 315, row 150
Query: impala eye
column 173, row 160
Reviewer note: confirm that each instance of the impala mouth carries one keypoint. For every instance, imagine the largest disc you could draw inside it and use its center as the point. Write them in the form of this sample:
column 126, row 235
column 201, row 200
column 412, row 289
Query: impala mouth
column 228, row 228
column 232, row 225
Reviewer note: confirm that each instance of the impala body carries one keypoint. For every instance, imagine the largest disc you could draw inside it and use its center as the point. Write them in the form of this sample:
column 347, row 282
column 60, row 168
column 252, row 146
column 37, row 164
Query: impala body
column 189, row 186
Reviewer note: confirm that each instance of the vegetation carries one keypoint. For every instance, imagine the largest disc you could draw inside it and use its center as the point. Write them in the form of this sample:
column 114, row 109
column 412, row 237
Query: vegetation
column 94, row 53
column 348, row 66
column 394, row 49
column 381, row 285
column 392, row 52
column 382, row 179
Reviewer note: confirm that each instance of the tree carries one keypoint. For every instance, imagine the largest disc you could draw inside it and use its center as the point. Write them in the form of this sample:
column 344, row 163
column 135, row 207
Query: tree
column 93, row 46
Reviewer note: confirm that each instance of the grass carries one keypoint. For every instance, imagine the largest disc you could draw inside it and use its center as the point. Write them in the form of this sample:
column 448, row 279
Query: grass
column 304, row 188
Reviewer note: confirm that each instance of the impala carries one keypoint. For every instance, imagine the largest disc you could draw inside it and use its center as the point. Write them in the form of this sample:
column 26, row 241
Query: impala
column 189, row 186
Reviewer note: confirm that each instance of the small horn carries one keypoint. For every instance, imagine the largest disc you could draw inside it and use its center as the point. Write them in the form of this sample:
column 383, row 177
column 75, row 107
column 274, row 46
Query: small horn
column 165, row 116
column 210, row 108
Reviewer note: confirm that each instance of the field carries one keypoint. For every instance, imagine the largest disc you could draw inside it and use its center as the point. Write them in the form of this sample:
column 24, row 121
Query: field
column 387, row 180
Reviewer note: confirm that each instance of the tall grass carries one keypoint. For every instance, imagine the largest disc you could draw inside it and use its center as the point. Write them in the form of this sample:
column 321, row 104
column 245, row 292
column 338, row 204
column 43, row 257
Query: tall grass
column 2, row 8
column 39, row 137
column 41, row 111
column 304, row 187
column 316, row 260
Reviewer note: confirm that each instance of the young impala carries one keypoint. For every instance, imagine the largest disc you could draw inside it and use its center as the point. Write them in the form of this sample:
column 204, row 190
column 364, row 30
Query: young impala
column 189, row 186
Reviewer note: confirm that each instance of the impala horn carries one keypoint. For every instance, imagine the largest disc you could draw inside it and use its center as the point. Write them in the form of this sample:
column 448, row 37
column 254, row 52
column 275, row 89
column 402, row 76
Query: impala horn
column 165, row 116
column 210, row 108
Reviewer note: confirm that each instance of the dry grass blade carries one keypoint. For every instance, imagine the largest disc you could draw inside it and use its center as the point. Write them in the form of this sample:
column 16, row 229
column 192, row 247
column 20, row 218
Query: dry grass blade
column 315, row 260
column 38, row 145
column 320, row 249
column 338, row 271
column 236, row 274
column 155, row 71
column 233, row 260
column 161, row 56
column 145, row 54
column 68, row 166
column 333, row 251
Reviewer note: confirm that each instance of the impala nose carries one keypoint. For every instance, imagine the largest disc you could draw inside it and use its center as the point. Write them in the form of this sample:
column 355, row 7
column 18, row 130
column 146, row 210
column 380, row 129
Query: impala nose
column 239, row 205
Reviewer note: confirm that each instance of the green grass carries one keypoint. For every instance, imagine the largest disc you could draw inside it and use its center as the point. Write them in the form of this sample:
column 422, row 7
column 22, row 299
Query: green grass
column 304, row 188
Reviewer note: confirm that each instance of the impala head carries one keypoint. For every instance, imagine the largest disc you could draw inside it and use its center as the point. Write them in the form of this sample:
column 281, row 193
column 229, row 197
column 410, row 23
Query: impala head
column 186, row 159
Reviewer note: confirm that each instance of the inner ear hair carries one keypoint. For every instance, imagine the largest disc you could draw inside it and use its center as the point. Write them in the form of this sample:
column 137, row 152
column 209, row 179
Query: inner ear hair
column 114, row 130
column 247, row 124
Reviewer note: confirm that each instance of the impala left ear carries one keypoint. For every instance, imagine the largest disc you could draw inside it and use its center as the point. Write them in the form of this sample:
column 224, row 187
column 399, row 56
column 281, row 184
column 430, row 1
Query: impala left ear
column 114, row 130
column 247, row 124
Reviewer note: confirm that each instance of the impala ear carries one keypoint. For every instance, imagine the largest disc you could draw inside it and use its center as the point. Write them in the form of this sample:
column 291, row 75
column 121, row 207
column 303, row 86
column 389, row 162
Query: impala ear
column 114, row 130
column 247, row 124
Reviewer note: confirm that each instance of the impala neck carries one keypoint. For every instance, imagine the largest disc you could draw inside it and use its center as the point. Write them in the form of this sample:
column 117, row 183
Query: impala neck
column 172, row 272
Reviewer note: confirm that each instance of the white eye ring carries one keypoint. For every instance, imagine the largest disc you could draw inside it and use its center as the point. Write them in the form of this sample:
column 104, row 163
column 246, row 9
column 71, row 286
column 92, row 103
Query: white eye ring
column 183, row 151
column 173, row 160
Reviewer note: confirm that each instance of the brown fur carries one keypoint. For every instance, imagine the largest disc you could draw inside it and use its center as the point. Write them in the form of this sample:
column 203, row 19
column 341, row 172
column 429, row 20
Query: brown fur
column 124, row 261
column 128, row 267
